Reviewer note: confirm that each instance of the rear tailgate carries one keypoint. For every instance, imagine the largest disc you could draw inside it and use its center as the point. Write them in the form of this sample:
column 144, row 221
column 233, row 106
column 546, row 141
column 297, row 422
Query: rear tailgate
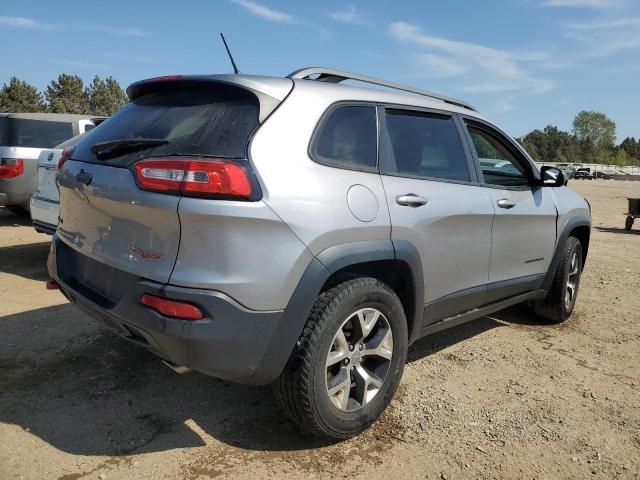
column 47, row 163
column 105, row 215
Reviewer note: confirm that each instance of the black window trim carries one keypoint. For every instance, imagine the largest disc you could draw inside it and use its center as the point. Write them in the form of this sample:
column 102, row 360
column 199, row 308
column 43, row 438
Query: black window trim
column 533, row 175
column 318, row 129
column 385, row 165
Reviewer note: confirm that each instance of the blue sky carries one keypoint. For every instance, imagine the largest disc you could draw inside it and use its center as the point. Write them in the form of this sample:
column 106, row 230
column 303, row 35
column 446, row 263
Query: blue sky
column 524, row 63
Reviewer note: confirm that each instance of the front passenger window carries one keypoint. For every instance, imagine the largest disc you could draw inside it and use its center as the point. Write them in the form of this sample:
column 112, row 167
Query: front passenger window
column 499, row 166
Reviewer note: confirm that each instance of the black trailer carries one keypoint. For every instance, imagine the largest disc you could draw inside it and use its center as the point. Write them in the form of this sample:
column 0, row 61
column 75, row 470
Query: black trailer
column 634, row 212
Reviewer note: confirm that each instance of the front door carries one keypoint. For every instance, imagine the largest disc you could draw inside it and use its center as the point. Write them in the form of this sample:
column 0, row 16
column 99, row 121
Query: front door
column 524, row 228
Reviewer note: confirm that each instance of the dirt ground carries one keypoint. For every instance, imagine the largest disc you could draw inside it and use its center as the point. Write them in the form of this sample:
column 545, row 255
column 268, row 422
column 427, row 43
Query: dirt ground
column 502, row 397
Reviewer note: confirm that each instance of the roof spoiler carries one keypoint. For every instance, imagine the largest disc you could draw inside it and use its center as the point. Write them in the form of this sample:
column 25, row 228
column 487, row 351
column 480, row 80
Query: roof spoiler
column 331, row 75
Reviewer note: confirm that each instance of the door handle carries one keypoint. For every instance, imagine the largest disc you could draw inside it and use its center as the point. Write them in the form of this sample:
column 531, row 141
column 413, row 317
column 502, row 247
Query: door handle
column 505, row 203
column 411, row 200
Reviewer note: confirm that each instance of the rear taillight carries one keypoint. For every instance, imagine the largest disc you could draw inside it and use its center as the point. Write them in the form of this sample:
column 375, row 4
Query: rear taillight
column 11, row 167
column 64, row 156
column 172, row 308
column 193, row 177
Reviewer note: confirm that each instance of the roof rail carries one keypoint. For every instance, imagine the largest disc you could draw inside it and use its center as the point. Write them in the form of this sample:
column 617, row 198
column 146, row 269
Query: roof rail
column 331, row 75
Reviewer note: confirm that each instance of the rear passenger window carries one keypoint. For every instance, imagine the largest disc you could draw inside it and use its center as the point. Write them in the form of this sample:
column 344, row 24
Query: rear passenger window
column 426, row 145
column 348, row 137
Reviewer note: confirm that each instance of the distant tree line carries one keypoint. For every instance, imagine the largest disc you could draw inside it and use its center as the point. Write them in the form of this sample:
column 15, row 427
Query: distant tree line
column 592, row 140
column 67, row 94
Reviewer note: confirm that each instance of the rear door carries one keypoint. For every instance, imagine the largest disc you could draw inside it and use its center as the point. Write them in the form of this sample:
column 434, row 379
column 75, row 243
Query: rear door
column 436, row 204
column 103, row 213
column 524, row 229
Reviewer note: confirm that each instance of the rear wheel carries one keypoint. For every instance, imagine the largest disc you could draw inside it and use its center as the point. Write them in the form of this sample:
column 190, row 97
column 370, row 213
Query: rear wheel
column 628, row 223
column 558, row 305
column 348, row 362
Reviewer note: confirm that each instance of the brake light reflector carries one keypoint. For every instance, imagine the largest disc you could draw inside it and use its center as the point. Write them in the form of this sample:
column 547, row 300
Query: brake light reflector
column 172, row 308
column 164, row 78
column 11, row 167
column 64, row 156
column 193, row 177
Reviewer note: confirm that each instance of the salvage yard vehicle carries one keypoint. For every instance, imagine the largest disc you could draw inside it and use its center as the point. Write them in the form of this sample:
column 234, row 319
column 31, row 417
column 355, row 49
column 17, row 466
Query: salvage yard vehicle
column 305, row 233
column 22, row 138
column 45, row 201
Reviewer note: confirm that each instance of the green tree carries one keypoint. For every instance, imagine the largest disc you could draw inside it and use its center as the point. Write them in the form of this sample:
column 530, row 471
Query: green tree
column 631, row 146
column 105, row 96
column 18, row 96
column 595, row 128
column 550, row 145
column 67, row 95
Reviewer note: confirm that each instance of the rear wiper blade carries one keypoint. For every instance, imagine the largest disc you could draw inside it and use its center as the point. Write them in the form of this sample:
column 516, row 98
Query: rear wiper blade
column 102, row 149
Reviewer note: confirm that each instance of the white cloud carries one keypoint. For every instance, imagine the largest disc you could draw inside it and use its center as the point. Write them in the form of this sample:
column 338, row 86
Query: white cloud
column 130, row 58
column 121, row 32
column 583, row 3
column 501, row 70
column 264, row 11
column 606, row 24
column 31, row 23
column 349, row 15
column 74, row 63
column 442, row 66
column 502, row 106
column 603, row 38
column 20, row 22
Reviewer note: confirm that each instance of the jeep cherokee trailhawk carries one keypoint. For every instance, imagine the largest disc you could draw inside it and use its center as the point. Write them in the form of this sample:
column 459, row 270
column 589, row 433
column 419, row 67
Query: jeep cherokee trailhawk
column 304, row 233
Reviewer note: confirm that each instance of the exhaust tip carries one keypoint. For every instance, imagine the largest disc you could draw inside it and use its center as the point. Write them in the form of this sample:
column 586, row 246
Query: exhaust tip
column 179, row 369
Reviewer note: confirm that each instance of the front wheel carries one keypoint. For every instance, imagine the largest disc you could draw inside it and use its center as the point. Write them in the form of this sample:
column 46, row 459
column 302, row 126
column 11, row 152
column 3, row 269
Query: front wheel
column 348, row 361
column 558, row 305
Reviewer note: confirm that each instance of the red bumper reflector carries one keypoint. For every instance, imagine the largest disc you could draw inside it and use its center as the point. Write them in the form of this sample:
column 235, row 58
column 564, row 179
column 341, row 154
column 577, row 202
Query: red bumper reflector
column 172, row 308
column 52, row 285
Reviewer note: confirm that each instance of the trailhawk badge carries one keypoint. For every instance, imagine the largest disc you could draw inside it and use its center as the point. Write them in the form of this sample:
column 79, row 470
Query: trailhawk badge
column 145, row 255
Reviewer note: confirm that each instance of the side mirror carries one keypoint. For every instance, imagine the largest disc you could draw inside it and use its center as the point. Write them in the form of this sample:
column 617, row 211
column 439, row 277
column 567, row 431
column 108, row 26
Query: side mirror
column 552, row 177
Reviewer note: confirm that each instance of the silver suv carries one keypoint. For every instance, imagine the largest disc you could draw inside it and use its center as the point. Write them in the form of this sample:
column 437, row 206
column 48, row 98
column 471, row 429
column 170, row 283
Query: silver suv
column 304, row 233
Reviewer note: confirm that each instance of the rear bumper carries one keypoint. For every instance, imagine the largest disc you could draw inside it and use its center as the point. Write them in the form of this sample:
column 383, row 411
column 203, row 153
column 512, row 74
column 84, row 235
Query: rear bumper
column 44, row 213
column 231, row 342
column 17, row 191
column 14, row 199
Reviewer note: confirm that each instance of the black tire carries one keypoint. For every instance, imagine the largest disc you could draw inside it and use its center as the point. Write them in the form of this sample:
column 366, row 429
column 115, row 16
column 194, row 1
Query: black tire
column 628, row 223
column 302, row 390
column 555, row 307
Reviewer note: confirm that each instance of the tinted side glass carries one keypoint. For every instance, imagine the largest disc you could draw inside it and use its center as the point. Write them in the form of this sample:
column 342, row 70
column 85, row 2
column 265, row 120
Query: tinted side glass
column 4, row 134
column 212, row 120
column 499, row 166
column 348, row 137
column 426, row 145
column 38, row 133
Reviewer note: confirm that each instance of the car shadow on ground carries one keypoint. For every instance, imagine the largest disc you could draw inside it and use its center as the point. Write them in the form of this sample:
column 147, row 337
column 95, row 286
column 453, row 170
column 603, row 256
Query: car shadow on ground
column 28, row 261
column 86, row 391
column 633, row 231
column 10, row 219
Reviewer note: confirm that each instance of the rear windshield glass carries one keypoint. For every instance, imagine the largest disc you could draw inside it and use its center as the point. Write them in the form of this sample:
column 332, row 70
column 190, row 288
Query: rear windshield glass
column 208, row 120
column 21, row 132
